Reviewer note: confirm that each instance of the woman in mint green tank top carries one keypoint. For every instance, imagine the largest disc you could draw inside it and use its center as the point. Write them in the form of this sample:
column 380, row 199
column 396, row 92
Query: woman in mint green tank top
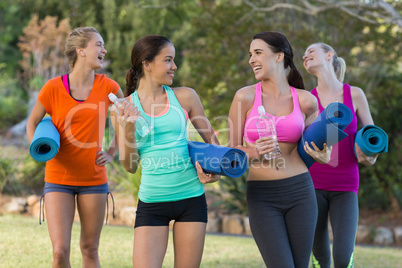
column 171, row 187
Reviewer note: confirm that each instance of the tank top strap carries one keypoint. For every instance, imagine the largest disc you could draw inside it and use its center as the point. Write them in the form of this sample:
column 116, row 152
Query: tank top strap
column 315, row 94
column 172, row 101
column 136, row 101
column 347, row 96
column 171, row 96
column 258, row 96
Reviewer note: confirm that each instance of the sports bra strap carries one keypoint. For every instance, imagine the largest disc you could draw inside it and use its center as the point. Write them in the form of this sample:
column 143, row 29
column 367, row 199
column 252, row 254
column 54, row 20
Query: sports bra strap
column 65, row 82
column 258, row 95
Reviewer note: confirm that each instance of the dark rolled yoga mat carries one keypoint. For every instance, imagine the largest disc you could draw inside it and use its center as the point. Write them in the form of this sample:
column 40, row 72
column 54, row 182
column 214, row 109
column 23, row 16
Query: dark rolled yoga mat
column 327, row 128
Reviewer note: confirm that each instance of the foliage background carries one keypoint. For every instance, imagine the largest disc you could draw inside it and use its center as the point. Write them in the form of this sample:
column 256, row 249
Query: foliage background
column 212, row 40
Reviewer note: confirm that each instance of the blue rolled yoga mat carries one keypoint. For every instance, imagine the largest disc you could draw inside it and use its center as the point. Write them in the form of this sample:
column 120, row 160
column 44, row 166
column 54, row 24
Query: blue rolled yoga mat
column 45, row 142
column 327, row 128
column 218, row 159
column 372, row 140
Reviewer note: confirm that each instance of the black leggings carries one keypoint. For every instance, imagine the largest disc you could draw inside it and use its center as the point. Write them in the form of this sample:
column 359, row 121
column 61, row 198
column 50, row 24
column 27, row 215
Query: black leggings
column 344, row 213
column 283, row 215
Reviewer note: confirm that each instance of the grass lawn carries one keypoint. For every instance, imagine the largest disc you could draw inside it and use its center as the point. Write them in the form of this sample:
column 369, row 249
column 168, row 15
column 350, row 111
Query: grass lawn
column 25, row 243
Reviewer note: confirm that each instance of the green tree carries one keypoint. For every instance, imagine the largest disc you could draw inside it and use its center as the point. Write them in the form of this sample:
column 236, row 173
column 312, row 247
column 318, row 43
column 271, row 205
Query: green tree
column 381, row 184
column 42, row 49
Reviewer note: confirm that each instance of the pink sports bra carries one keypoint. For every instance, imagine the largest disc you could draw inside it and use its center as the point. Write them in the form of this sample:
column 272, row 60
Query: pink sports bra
column 289, row 128
column 66, row 83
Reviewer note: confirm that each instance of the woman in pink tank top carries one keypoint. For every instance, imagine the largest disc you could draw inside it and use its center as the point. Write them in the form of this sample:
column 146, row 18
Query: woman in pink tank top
column 337, row 182
column 280, row 194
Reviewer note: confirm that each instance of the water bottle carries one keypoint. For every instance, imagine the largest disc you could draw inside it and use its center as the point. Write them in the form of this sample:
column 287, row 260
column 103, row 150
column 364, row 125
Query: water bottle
column 142, row 126
column 266, row 128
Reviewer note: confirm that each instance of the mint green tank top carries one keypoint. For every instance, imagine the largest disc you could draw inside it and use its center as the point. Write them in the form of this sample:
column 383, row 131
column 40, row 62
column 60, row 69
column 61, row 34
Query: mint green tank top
column 167, row 171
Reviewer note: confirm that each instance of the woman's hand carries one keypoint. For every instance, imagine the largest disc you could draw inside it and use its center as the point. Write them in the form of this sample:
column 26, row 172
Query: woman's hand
column 206, row 178
column 265, row 145
column 127, row 113
column 365, row 159
column 321, row 156
column 103, row 158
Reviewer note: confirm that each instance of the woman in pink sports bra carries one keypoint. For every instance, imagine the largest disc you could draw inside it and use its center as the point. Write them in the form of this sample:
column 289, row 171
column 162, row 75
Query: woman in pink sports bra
column 337, row 182
column 280, row 193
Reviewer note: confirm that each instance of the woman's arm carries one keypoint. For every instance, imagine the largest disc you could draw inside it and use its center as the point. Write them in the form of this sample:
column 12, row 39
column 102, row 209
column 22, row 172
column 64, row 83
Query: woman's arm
column 124, row 127
column 102, row 157
column 363, row 114
column 309, row 107
column 37, row 114
column 241, row 104
column 192, row 104
column 190, row 101
column 361, row 106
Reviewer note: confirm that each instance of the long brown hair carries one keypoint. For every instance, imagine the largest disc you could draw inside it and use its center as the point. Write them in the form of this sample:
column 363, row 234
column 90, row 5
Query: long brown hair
column 279, row 43
column 145, row 49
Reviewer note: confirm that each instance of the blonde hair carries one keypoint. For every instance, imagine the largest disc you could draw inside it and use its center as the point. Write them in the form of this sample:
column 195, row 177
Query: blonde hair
column 79, row 38
column 338, row 63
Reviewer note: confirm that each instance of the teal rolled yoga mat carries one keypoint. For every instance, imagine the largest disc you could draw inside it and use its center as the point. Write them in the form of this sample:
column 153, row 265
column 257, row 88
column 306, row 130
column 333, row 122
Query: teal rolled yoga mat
column 218, row 159
column 327, row 128
column 45, row 142
column 372, row 140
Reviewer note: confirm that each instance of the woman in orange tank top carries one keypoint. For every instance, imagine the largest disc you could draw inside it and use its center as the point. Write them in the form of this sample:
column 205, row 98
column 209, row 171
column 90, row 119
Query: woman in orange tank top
column 79, row 113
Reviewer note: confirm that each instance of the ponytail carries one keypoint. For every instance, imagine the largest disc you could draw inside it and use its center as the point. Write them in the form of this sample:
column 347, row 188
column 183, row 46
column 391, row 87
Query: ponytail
column 294, row 77
column 341, row 68
column 132, row 78
column 338, row 63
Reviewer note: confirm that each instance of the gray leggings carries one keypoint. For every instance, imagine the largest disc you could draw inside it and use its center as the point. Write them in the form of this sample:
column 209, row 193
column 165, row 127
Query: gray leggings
column 343, row 210
column 283, row 215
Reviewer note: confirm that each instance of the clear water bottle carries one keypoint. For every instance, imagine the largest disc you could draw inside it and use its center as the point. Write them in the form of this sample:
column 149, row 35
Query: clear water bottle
column 142, row 126
column 266, row 128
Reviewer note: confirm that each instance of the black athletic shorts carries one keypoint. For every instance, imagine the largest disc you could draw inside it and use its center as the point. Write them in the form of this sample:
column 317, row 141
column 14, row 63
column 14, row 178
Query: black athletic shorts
column 161, row 213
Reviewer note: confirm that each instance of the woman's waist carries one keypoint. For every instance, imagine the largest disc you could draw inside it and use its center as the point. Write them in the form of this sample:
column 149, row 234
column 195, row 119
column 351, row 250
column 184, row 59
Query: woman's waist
column 165, row 159
column 166, row 165
column 278, row 168
column 162, row 186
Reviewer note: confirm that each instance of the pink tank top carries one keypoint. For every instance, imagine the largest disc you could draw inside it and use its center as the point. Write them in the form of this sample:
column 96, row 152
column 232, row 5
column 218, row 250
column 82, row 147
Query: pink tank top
column 289, row 128
column 342, row 171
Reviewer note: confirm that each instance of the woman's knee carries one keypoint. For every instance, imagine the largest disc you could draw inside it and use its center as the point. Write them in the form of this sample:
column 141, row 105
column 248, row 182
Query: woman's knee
column 90, row 250
column 343, row 260
column 61, row 255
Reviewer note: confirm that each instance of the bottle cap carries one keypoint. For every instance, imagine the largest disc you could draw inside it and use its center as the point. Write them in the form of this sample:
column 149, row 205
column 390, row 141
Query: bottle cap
column 112, row 97
column 261, row 110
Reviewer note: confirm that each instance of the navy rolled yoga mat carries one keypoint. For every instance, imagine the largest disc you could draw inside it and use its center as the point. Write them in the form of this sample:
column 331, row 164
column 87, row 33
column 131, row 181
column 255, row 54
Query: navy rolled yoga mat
column 327, row 128
column 218, row 159
column 372, row 140
column 45, row 142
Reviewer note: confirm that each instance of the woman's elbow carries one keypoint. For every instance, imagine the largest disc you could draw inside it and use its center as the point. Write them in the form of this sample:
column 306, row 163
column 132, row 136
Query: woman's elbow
column 130, row 166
